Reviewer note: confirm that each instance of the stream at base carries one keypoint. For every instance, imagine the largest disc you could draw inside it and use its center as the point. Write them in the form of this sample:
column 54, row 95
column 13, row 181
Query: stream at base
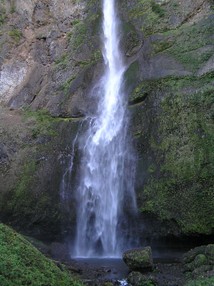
column 106, row 268
column 97, row 271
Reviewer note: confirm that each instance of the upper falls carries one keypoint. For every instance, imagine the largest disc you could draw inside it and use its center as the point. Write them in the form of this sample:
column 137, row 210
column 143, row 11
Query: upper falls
column 106, row 185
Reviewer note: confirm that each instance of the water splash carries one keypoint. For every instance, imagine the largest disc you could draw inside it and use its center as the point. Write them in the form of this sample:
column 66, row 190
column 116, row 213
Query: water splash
column 107, row 170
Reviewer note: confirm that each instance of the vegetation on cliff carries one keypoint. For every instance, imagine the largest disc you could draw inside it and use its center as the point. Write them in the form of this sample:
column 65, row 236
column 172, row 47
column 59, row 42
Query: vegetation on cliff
column 49, row 59
column 21, row 264
column 171, row 103
column 168, row 48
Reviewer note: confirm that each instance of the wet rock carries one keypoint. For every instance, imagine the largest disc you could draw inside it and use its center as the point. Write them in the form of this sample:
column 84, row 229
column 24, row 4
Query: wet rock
column 29, row 91
column 200, row 255
column 137, row 278
column 139, row 259
column 207, row 67
column 3, row 154
column 12, row 76
column 59, row 251
column 201, row 270
column 161, row 66
column 108, row 284
column 209, row 252
column 199, row 261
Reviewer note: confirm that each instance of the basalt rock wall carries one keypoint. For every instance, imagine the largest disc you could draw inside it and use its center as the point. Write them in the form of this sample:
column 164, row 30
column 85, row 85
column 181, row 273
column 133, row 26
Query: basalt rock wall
column 50, row 56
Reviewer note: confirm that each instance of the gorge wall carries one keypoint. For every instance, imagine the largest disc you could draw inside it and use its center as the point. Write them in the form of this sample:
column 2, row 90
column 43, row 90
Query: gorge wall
column 50, row 55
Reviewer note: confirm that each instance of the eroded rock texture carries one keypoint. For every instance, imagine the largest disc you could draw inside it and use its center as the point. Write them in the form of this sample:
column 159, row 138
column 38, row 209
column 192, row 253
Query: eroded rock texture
column 50, row 56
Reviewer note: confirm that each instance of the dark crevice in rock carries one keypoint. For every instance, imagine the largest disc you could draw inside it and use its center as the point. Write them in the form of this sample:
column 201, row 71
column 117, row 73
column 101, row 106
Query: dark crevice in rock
column 139, row 99
column 79, row 117
column 35, row 95
column 64, row 117
column 192, row 14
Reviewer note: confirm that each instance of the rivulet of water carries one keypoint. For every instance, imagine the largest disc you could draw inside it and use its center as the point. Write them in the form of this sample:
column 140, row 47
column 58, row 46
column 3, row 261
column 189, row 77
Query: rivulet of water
column 105, row 191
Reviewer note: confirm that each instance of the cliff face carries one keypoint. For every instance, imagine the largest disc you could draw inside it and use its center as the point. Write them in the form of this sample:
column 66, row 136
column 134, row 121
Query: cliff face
column 172, row 108
column 35, row 37
column 37, row 67
column 50, row 56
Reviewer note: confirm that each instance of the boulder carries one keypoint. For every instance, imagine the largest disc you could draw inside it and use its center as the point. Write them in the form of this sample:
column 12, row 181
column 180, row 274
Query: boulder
column 209, row 252
column 199, row 261
column 200, row 255
column 139, row 259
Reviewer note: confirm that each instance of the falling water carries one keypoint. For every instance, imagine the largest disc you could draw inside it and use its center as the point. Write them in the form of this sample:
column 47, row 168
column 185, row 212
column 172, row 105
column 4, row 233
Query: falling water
column 107, row 170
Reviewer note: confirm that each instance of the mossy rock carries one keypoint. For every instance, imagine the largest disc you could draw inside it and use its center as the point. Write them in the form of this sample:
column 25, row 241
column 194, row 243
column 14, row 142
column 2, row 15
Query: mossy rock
column 21, row 264
column 30, row 189
column 200, row 260
column 209, row 252
column 199, row 263
column 176, row 119
column 190, row 255
column 139, row 259
column 201, row 282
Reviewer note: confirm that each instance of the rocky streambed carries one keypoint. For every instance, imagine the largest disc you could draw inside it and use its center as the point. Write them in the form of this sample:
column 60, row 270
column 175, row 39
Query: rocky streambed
column 139, row 268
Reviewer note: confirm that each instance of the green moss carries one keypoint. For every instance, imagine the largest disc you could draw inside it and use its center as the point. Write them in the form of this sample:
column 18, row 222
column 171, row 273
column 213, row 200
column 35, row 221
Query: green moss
column 147, row 283
column 97, row 56
column 93, row 22
column 25, row 203
column 84, row 37
column 78, row 35
column 13, row 7
column 201, row 282
column 62, row 62
column 130, row 38
column 191, row 45
column 149, row 15
column 184, row 140
column 151, row 168
column 26, row 179
column 44, row 123
column 131, row 77
column 15, row 34
column 139, row 258
column 200, row 260
column 21, row 198
column 162, row 44
column 156, row 8
column 21, row 264
column 141, row 91
column 75, row 22
column 2, row 15
column 66, row 85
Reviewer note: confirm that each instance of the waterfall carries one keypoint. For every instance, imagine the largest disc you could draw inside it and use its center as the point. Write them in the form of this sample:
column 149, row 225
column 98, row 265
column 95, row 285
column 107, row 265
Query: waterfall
column 105, row 190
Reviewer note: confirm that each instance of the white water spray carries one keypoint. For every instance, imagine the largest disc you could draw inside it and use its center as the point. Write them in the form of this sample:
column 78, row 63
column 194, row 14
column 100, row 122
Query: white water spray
column 107, row 172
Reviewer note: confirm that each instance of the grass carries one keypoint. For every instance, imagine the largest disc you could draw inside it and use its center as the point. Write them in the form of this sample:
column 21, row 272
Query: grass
column 21, row 264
